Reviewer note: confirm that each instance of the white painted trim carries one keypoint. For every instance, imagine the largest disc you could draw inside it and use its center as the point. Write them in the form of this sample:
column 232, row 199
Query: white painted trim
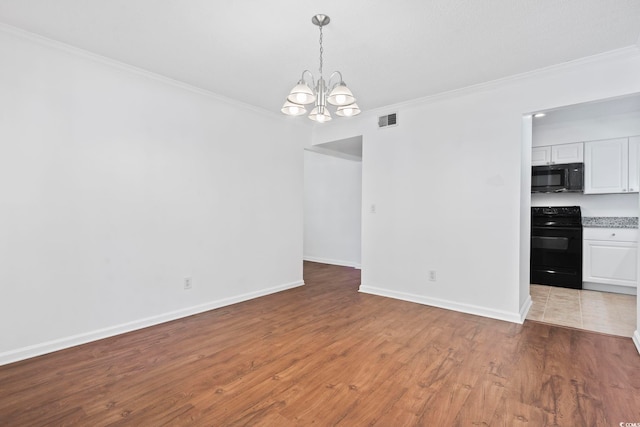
column 446, row 304
column 604, row 287
column 332, row 261
column 333, row 153
column 524, row 310
column 36, row 38
column 636, row 339
column 71, row 341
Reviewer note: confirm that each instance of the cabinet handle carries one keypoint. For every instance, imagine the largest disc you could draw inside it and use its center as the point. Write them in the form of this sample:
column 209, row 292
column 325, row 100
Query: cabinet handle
column 624, row 189
column 613, row 234
column 631, row 189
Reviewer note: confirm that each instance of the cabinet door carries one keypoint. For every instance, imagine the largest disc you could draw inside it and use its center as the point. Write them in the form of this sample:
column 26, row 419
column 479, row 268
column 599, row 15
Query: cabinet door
column 612, row 263
column 606, row 166
column 567, row 153
column 540, row 156
column 634, row 164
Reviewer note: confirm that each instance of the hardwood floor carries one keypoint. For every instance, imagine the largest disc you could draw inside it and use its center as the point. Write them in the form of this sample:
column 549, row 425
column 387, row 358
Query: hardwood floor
column 327, row 355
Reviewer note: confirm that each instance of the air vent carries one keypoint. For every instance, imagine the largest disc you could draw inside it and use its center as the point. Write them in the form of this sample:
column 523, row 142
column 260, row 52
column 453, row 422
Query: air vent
column 388, row 120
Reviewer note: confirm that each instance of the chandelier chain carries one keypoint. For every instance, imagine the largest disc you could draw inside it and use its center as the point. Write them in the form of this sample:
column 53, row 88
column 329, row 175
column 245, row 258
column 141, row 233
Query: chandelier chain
column 321, row 50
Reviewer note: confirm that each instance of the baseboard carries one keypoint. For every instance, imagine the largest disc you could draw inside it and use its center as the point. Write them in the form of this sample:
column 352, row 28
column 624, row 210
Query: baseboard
column 446, row 304
column 72, row 341
column 602, row 287
column 332, row 261
column 636, row 339
column 524, row 310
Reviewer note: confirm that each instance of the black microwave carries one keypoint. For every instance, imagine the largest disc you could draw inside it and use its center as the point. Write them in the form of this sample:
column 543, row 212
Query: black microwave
column 557, row 178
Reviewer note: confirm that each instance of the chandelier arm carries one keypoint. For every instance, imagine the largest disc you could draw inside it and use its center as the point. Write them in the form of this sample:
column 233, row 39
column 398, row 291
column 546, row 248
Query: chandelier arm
column 331, row 87
column 313, row 81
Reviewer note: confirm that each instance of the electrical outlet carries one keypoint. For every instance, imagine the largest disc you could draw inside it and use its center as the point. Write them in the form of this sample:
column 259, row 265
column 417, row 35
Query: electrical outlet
column 432, row 275
column 187, row 283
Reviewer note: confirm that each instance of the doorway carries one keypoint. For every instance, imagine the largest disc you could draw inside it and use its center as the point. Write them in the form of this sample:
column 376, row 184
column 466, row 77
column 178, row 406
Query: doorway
column 611, row 306
column 333, row 202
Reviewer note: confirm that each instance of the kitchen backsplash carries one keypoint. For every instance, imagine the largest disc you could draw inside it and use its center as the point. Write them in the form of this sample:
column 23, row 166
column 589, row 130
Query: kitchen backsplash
column 592, row 205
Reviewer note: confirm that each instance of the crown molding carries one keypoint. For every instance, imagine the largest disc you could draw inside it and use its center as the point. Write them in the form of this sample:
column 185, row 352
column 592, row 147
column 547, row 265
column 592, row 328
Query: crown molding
column 45, row 41
column 628, row 51
column 625, row 52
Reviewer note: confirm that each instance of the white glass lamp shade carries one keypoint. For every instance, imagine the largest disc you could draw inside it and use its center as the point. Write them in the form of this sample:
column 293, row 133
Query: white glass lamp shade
column 301, row 94
column 341, row 95
column 291, row 109
column 348, row 110
column 316, row 116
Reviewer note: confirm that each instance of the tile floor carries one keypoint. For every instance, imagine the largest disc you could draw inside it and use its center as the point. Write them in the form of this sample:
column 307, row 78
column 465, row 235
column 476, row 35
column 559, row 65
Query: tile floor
column 594, row 311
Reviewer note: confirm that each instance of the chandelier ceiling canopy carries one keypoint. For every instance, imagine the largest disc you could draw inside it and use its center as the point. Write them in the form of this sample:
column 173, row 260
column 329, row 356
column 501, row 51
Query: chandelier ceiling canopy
column 320, row 93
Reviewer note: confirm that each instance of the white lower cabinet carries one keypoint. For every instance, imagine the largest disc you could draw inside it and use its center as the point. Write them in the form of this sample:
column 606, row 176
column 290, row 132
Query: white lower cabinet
column 610, row 256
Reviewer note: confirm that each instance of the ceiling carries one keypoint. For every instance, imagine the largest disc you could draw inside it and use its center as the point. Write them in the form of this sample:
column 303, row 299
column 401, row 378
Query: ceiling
column 254, row 51
column 347, row 148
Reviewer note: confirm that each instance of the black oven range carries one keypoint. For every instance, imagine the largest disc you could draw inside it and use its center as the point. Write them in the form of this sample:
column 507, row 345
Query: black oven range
column 556, row 246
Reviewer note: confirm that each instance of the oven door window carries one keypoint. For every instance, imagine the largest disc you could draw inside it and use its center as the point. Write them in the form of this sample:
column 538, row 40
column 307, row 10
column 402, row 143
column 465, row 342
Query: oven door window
column 550, row 243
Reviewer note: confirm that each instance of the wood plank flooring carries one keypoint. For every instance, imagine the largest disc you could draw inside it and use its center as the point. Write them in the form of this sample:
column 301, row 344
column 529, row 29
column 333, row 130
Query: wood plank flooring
column 324, row 354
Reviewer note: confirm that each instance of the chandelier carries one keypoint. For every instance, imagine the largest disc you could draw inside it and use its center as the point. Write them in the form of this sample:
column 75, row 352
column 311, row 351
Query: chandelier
column 336, row 94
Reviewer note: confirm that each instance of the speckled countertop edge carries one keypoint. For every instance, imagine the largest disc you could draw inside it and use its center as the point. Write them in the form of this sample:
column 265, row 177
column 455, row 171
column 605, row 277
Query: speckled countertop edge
column 610, row 221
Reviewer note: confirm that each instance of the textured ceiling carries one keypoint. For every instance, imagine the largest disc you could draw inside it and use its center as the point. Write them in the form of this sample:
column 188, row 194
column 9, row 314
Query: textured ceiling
column 254, row 50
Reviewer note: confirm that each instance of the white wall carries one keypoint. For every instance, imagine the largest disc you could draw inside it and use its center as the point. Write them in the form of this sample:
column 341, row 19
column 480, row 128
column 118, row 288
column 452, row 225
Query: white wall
column 588, row 128
column 525, row 217
column 636, row 334
column 447, row 183
column 116, row 185
column 332, row 209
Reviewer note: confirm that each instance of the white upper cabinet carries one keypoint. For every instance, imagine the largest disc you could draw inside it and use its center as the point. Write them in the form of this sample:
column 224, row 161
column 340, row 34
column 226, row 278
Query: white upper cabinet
column 611, row 166
column 567, row 153
column 634, row 164
column 557, row 154
column 541, row 156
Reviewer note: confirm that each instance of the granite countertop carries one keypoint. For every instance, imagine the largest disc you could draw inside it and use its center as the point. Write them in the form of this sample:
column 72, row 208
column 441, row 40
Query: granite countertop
column 610, row 221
